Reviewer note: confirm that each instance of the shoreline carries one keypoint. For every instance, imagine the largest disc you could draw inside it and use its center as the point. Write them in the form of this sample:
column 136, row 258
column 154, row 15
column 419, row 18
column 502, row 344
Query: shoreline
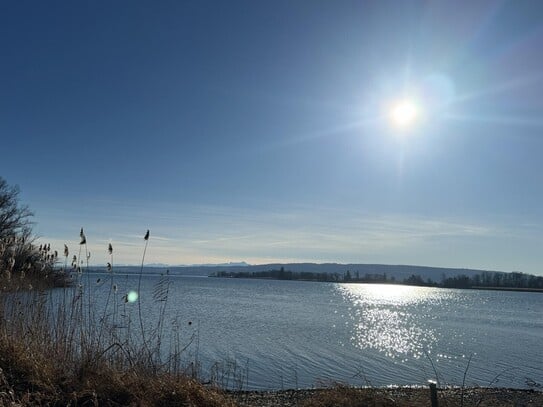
column 480, row 288
column 526, row 290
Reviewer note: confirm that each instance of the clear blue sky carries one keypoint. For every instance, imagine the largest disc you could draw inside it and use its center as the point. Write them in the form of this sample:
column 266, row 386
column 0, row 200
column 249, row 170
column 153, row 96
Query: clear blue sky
column 259, row 130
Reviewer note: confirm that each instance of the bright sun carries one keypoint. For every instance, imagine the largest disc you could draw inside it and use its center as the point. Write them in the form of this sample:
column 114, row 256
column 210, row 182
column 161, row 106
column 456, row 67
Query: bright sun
column 404, row 113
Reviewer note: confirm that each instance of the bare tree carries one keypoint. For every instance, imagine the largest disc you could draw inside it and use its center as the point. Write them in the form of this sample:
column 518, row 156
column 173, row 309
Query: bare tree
column 15, row 219
column 17, row 253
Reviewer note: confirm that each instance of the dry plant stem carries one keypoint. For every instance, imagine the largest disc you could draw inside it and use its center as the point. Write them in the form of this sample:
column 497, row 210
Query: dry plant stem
column 80, row 299
column 162, row 289
column 89, row 308
column 494, row 380
column 139, row 301
column 103, row 322
column 433, row 368
column 464, row 382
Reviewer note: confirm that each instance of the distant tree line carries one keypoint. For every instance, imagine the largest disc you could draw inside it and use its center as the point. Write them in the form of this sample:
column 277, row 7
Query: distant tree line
column 282, row 274
column 499, row 280
column 485, row 279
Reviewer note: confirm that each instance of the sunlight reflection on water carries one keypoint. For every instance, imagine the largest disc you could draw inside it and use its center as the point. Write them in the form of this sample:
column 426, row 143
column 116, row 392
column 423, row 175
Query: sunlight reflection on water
column 390, row 318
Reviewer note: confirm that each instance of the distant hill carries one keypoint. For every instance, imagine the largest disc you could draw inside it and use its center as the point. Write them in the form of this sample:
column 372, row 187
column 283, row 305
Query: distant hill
column 231, row 264
column 399, row 272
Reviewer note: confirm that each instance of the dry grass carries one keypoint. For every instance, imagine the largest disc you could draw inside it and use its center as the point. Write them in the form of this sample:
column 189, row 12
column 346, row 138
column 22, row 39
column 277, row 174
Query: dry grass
column 61, row 349
column 30, row 376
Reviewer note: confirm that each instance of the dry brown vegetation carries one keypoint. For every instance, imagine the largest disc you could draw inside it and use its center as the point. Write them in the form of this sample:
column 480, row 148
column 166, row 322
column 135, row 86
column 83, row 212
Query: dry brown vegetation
column 59, row 347
column 47, row 360
column 24, row 384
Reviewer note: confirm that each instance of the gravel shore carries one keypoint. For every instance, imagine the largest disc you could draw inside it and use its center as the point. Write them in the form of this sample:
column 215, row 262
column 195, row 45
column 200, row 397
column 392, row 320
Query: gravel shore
column 390, row 397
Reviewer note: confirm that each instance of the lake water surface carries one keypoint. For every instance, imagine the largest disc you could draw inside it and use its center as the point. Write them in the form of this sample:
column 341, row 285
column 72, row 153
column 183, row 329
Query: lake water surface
column 286, row 334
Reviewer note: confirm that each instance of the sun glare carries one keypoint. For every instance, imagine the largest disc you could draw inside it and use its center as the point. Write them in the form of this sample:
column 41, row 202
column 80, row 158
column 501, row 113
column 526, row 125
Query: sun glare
column 404, row 113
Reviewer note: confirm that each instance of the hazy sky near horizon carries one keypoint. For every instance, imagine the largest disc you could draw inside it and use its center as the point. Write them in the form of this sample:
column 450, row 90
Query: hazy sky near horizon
column 259, row 131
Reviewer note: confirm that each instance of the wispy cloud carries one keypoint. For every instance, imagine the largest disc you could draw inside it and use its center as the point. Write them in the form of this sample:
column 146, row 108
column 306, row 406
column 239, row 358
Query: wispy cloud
column 212, row 234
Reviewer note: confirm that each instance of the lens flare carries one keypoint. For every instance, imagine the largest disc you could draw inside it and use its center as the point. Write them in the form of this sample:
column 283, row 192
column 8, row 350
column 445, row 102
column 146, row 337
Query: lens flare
column 132, row 296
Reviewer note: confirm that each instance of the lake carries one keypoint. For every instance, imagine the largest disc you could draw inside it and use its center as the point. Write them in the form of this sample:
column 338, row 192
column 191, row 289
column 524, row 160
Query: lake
column 289, row 334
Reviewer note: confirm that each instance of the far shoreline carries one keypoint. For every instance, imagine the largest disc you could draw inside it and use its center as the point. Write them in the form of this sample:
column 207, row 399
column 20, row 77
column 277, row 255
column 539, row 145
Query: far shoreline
column 512, row 289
